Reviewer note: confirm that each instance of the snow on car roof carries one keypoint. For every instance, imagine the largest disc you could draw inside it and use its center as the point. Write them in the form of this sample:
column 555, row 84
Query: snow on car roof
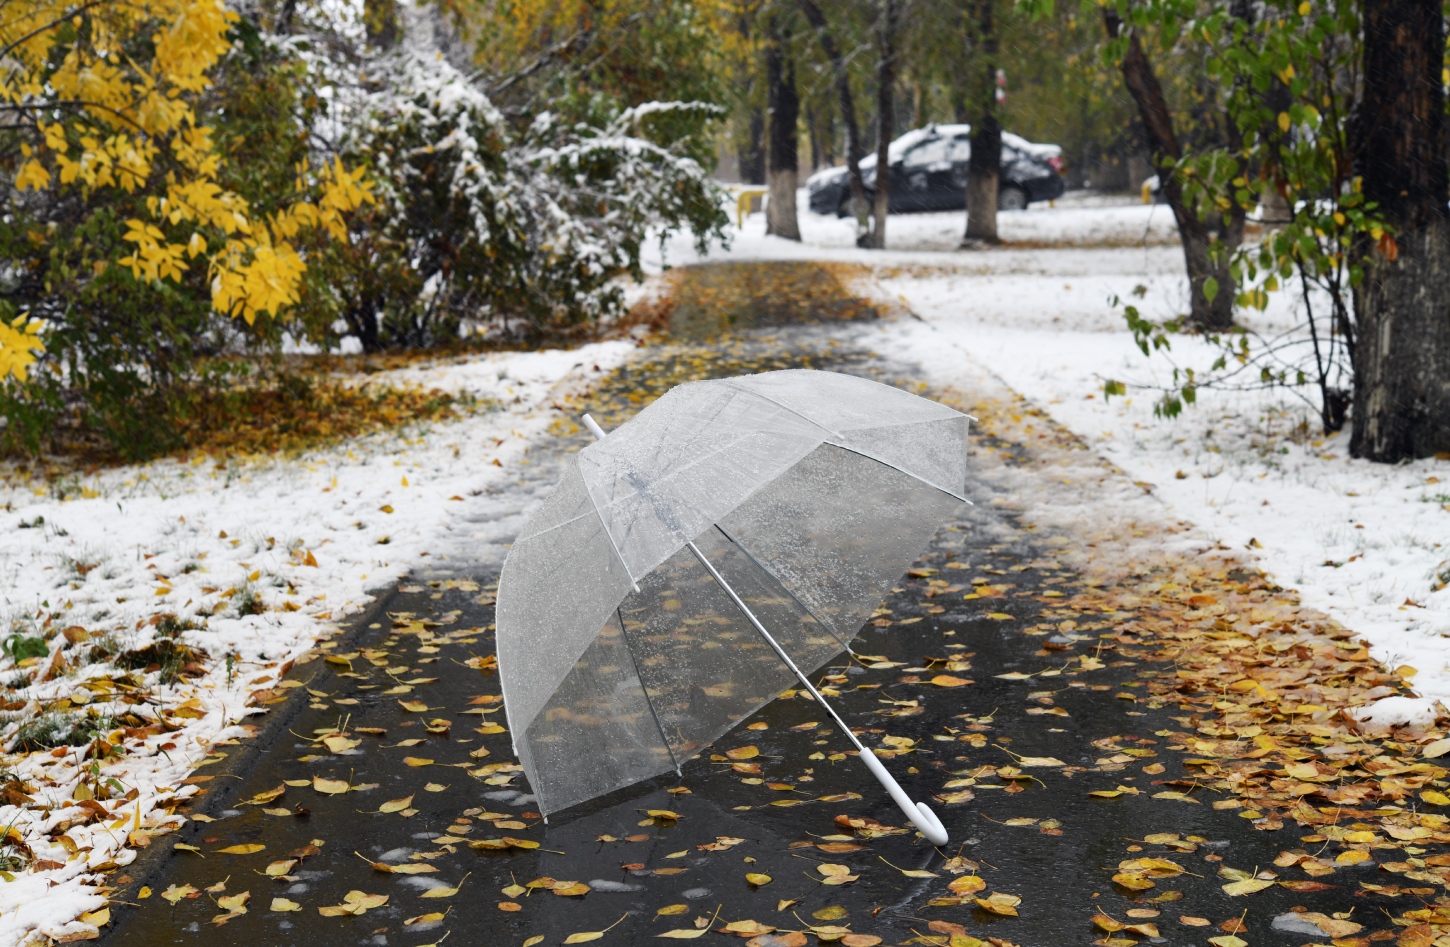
column 916, row 136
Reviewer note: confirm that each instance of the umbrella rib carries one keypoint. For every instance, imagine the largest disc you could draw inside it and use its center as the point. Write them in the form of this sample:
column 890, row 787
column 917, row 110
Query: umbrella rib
column 610, row 536
column 644, row 689
column 793, row 597
column 838, row 435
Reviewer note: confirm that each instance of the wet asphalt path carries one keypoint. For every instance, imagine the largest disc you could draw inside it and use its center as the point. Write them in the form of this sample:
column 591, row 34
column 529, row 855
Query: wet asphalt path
column 1027, row 831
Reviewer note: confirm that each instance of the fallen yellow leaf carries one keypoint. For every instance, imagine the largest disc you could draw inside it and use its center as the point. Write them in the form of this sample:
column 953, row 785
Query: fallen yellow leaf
column 247, row 849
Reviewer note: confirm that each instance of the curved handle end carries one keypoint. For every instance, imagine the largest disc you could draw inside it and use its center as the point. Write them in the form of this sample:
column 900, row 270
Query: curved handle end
column 930, row 826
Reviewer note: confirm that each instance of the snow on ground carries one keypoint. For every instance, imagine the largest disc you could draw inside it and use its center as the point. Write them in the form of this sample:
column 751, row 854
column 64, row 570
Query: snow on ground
column 308, row 536
column 1365, row 543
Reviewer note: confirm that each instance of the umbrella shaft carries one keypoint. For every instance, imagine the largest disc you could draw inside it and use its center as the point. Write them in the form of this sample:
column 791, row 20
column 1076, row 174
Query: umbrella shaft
column 770, row 639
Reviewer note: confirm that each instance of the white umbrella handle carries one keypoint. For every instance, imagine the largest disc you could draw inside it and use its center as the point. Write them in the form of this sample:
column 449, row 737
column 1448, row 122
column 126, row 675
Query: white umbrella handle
column 920, row 816
column 923, row 818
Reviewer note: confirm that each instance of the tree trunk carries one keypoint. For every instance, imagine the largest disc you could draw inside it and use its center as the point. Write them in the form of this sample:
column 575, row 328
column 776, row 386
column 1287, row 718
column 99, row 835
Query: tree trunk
column 1402, row 363
column 855, row 151
column 752, row 151
column 984, row 171
column 1211, row 284
column 885, row 117
column 784, row 136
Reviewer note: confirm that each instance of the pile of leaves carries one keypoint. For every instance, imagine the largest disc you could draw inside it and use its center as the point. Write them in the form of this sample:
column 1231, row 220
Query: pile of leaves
column 701, row 302
column 296, row 411
column 275, row 412
column 1269, row 693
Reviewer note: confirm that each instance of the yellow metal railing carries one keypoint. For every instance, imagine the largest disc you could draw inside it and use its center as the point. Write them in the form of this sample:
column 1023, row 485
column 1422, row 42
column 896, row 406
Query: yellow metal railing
column 742, row 203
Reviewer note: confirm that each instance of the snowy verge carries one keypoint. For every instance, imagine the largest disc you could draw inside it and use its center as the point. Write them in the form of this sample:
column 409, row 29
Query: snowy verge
column 1367, row 544
column 247, row 562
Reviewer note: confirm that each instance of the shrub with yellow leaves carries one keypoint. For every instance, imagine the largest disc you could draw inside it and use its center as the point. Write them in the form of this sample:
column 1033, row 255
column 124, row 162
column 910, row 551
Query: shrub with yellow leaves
column 163, row 184
column 101, row 116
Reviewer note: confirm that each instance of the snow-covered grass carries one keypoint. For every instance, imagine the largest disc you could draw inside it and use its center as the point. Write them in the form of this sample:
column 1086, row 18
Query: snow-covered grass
column 1365, row 543
column 256, row 560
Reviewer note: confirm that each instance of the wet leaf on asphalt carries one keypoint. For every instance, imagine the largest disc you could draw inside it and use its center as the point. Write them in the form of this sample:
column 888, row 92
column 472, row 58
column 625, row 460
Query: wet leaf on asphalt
column 174, row 893
column 280, row 867
column 443, row 891
column 235, row 903
column 998, row 903
column 912, row 872
column 757, row 879
column 743, row 753
column 245, row 849
column 396, row 805
column 354, row 903
column 282, row 904
column 406, row 868
column 967, row 884
column 583, row 937
column 1133, row 881
column 836, row 874
column 330, row 787
column 262, row 798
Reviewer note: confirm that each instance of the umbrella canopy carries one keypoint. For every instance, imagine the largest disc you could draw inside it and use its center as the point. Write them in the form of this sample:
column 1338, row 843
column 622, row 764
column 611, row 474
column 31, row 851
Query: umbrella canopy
column 621, row 648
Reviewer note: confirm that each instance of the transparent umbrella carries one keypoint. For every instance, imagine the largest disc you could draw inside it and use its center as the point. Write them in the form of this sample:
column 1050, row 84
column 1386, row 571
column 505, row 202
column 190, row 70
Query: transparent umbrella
column 732, row 537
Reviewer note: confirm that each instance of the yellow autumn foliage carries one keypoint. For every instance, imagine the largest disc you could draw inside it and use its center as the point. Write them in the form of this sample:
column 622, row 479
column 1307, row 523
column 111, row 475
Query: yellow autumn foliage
column 19, row 341
column 95, row 114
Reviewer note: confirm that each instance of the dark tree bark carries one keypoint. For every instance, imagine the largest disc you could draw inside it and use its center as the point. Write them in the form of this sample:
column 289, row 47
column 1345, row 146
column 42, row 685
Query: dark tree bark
column 1402, row 362
column 984, row 171
column 783, row 120
column 1203, row 265
column 855, row 150
column 821, row 129
column 752, row 150
column 885, row 117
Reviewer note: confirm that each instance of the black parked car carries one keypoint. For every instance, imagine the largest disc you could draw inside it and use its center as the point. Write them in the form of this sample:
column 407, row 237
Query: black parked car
column 929, row 172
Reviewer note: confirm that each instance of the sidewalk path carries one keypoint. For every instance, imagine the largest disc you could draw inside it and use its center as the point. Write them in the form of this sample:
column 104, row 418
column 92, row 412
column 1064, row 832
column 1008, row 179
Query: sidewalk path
column 1131, row 737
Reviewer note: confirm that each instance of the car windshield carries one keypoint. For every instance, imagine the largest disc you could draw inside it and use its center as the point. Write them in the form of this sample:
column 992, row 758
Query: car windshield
column 899, row 147
column 958, row 148
column 928, row 153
